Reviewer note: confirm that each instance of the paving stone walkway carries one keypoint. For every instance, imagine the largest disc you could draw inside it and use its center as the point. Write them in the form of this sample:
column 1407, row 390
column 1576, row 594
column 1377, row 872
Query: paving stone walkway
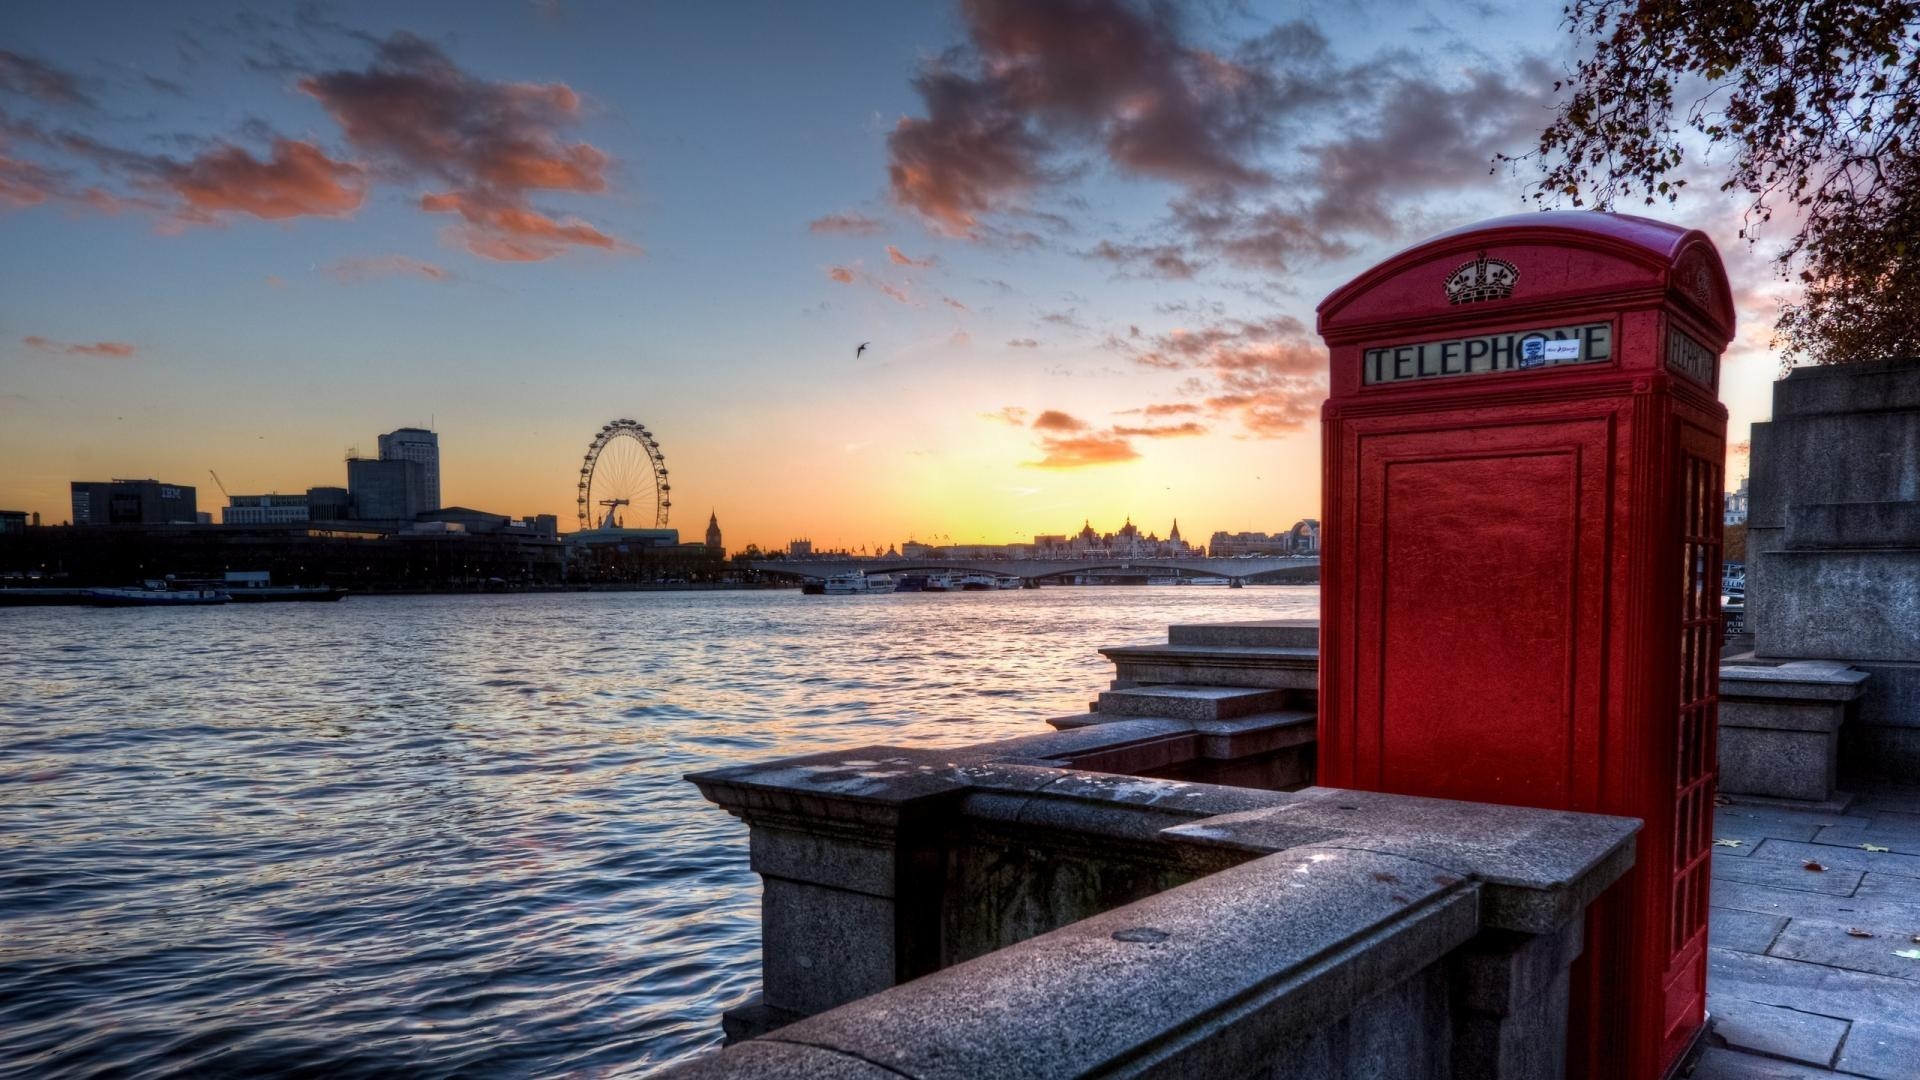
column 1814, row 962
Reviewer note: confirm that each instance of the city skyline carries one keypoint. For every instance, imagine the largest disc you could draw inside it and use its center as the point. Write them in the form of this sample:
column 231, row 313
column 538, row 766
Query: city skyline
column 234, row 253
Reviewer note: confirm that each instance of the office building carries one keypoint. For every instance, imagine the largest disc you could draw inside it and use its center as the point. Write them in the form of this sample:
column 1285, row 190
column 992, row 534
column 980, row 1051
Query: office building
column 386, row 489
column 264, row 510
column 423, row 446
column 329, row 504
column 133, row 502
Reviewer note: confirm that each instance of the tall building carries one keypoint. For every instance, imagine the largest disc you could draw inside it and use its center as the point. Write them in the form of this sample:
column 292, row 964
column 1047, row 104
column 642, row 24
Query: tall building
column 416, row 444
column 713, row 534
column 389, row 489
column 133, row 502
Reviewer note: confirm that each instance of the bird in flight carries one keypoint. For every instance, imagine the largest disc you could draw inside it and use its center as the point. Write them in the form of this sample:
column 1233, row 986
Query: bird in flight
column 861, row 349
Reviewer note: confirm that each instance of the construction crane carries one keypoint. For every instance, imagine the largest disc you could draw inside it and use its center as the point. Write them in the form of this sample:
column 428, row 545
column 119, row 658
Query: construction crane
column 218, row 484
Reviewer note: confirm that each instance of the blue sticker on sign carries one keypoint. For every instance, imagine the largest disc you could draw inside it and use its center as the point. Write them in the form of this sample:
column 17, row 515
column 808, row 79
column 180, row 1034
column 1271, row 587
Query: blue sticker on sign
column 1533, row 352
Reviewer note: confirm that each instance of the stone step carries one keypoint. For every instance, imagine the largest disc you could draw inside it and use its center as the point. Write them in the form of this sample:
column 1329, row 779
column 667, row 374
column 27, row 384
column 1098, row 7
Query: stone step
column 1191, row 702
column 1215, row 665
column 1269, row 633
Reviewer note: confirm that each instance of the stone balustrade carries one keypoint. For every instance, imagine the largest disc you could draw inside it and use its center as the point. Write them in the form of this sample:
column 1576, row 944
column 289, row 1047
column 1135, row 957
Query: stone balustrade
column 971, row 913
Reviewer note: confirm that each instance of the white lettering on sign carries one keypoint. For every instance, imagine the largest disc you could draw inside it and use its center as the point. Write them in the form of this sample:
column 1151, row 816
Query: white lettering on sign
column 1692, row 359
column 1521, row 350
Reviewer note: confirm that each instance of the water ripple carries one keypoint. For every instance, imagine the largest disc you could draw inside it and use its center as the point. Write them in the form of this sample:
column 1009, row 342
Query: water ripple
column 449, row 836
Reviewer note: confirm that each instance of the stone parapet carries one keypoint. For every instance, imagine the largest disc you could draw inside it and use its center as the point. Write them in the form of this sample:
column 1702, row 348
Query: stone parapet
column 1319, row 932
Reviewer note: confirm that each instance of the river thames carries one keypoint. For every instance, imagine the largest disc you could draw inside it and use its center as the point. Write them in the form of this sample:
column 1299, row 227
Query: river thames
column 440, row 836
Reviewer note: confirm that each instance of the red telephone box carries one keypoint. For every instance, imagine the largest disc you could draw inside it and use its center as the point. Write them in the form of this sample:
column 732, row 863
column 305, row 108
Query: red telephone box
column 1520, row 566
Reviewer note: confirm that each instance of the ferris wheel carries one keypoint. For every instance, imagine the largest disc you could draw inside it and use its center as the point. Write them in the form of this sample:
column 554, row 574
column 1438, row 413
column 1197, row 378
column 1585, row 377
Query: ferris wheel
column 624, row 468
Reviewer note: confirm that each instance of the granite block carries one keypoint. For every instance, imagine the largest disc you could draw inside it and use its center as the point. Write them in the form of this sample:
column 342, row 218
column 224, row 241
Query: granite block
column 1540, row 866
column 1191, row 702
column 1716, row 1063
column 1778, row 764
column 1904, row 840
column 1818, row 942
column 837, row 946
column 1795, row 904
column 1891, row 863
column 1218, row 970
column 835, row 861
column 1881, row 1050
column 1270, row 633
column 1889, row 889
column 1766, row 817
column 1836, row 992
column 1776, row 1031
column 1785, row 874
column 1746, row 931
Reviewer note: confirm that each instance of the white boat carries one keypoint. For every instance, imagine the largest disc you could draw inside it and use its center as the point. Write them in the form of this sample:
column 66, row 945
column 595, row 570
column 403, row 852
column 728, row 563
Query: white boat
column 1007, row 581
column 858, row 584
column 941, row 583
column 977, row 582
column 156, row 593
column 1209, row 581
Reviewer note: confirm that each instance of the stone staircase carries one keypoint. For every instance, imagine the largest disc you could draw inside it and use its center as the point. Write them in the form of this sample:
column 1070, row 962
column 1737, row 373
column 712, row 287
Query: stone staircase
column 1248, row 693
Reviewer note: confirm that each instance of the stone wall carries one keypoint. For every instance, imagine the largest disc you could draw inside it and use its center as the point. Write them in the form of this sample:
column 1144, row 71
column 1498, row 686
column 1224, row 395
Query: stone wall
column 1833, row 540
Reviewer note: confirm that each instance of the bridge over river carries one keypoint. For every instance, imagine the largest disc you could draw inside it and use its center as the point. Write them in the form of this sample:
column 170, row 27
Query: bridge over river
column 1266, row 569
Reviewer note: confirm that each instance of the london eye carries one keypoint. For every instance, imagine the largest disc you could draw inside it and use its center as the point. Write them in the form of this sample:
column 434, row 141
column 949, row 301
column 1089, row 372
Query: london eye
column 623, row 479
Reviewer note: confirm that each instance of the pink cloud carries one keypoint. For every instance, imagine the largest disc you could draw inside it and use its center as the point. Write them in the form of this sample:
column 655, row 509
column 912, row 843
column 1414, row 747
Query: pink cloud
column 119, row 350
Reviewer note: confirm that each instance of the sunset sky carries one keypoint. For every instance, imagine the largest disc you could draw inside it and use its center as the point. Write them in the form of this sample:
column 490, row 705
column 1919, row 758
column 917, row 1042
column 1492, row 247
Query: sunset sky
column 1085, row 240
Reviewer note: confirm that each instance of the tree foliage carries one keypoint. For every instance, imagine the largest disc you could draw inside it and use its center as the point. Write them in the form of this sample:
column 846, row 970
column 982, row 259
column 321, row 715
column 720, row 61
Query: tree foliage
column 1816, row 102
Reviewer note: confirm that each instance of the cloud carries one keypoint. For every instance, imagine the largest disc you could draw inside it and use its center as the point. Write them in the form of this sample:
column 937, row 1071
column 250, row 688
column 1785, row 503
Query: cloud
column 1162, row 431
column 971, row 151
column 119, row 350
column 1039, row 78
column 1011, row 414
column 1180, row 408
column 23, row 183
column 1023, row 343
column 513, row 232
column 1169, row 261
column 1080, row 451
column 853, row 224
column 44, row 83
column 952, row 303
column 355, row 271
column 1268, row 374
column 1055, row 420
column 298, row 179
column 492, row 143
column 851, row 275
column 895, row 256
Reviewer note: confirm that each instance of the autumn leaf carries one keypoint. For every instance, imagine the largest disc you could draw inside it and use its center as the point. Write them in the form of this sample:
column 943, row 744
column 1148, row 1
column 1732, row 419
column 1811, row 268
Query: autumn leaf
column 1814, row 866
column 1907, row 954
column 1728, row 843
column 1854, row 931
column 1875, row 847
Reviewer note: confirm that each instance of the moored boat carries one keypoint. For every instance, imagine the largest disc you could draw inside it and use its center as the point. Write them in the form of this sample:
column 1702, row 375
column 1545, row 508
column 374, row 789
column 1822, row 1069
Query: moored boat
column 156, row 593
column 858, row 584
